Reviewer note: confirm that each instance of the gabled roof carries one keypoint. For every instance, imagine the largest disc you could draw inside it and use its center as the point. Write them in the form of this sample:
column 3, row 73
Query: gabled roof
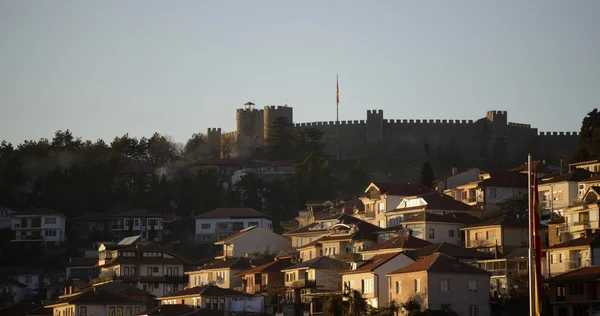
column 400, row 242
column 450, row 250
column 402, row 189
column 503, row 220
column 137, row 212
column 374, row 263
column 233, row 213
column 306, row 229
column 505, row 179
column 539, row 164
column 171, row 310
column 319, row 263
column 273, row 266
column 11, row 282
column 575, row 175
column 208, row 290
column 595, row 178
column 587, row 273
column 20, row 309
column 441, row 263
column 95, row 297
column 440, row 201
column 592, row 240
column 236, row 235
column 460, row 218
column 36, row 211
column 240, row 263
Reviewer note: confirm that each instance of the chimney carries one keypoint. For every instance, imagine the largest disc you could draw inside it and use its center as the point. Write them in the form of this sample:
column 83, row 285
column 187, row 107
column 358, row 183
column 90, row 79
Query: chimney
column 65, row 291
column 454, row 171
column 70, row 289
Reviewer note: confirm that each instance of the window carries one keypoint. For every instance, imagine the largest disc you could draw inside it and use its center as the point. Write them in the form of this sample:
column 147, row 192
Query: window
column 149, row 271
column 551, row 258
column 49, row 233
column 132, row 271
column 50, row 220
column 207, row 303
column 136, row 222
column 126, row 271
column 431, row 233
column 129, row 311
column 27, row 280
column 155, row 270
column 250, row 224
column 473, row 310
column 490, row 235
column 472, row 285
column 120, row 311
column 367, row 286
column 560, row 257
column 136, row 310
column 351, row 284
column 398, row 287
column 152, row 222
column 156, row 285
column 215, row 303
column 493, row 192
column 169, row 271
column 575, row 289
column 380, row 207
column 111, row 311
column 451, row 233
column 205, row 226
column 222, row 303
column 417, row 285
column 28, row 290
column 445, row 285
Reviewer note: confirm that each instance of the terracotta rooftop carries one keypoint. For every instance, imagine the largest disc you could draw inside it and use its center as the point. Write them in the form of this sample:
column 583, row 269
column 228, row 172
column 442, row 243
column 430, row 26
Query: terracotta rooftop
column 450, row 250
column 461, row 218
column 402, row 189
column 441, row 263
column 593, row 240
column 95, row 297
column 374, row 263
column 36, row 211
column 236, row 235
column 273, row 266
column 401, row 242
column 137, row 212
column 208, row 290
column 233, row 213
column 306, row 229
column 587, row 273
column 240, row 263
column 322, row 262
column 503, row 220
column 439, row 201
column 505, row 179
column 575, row 175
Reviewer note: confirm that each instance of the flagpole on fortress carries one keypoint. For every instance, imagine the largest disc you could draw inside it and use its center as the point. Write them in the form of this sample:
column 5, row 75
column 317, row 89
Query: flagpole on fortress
column 530, row 251
column 337, row 114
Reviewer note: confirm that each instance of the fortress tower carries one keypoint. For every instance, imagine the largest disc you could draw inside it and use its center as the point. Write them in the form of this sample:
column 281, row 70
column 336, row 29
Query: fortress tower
column 213, row 139
column 375, row 131
column 271, row 112
column 250, row 129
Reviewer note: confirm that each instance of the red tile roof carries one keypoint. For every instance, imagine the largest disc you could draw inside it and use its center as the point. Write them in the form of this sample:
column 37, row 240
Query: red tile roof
column 95, row 297
column 273, row 266
column 402, row 189
column 311, row 244
column 143, row 260
column 240, row 263
column 450, row 250
column 207, row 290
column 587, row 273
column 505, row 179
column 460, row 218
column 400, row 242
column 440, row 263
column 374, row 263
column 233, row 213
column 592, row 240
column 236, row 235
column 575, row 175
column 504, row 220
column 306, row 229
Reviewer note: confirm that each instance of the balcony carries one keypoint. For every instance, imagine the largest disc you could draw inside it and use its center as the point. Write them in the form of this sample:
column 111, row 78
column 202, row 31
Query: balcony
column 370, row 214
column 176, row 279
column 301, row 283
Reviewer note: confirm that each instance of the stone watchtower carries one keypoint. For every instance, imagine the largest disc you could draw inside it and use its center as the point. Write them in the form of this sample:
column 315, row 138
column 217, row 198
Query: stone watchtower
column 250, row 131
column 213, row 140
column 271, row 112
column 375, row 131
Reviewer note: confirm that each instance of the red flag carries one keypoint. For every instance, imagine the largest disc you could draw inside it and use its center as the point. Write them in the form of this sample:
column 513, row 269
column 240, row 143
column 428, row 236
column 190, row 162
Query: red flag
column 537, row 246
column 337, row 92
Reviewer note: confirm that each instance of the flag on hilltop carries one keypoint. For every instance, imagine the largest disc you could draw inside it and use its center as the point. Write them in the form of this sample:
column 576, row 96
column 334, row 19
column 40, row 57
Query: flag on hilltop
column 537, row 246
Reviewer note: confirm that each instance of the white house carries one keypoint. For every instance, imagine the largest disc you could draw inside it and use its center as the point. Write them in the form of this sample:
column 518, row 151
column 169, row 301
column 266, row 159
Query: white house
column 369, row 277
column 221, row 223
column 437, row 228
column 559, row 191
column 434, row 202
column 494, row 188
column 252, row 239
column 448, row 184
column 11, row 291
column 38, row 225
column 220, row 272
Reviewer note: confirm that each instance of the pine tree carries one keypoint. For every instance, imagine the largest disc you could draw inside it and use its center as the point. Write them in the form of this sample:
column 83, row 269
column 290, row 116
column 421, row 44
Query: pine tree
column 427, row 177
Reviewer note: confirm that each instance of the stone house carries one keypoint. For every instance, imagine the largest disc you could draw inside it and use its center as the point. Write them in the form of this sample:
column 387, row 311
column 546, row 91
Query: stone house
column 501, row 234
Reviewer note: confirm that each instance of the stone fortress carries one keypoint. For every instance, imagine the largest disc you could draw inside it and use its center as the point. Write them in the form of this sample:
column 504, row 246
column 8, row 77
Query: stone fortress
column 491, row 140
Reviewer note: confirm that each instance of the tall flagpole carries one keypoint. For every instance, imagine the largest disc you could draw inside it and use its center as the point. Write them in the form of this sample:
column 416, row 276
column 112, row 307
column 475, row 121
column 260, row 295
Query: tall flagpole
column 530, row 252
column 337, row 115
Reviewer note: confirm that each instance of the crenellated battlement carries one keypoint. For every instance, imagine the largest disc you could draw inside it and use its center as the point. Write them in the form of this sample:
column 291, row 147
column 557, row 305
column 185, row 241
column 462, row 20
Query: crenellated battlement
column 558, row 134
column 424, row 121
column 277, row 107
column 250, row 110
column 375, row 112
column 519, row 125
column 331, row 123
column 495, row 112
column 214, row 130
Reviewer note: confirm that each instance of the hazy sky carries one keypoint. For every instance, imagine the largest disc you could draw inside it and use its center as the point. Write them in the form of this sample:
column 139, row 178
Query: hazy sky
column 106, row 68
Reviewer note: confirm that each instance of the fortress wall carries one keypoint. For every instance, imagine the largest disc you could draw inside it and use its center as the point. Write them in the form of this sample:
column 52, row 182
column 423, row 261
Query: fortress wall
column 352, row 137
column 556, row 145
column 519, row 141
